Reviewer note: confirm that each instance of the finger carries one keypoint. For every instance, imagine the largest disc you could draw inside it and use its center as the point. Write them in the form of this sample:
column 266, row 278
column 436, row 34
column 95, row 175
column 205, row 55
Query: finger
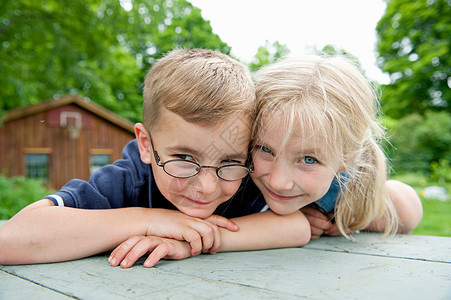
column 318, row 222
column 316, row 231
column 158, row 253
column 313, row 212
column 121, row 251
column 315, row 237
column 334, row 231
column 207, row 231
column 193, row 237
column 144, row 246
column 208, row 237
column 223, row 222
column 217, row 242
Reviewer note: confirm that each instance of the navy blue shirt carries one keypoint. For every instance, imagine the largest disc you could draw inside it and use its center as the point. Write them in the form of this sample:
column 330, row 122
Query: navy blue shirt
column 129, row 182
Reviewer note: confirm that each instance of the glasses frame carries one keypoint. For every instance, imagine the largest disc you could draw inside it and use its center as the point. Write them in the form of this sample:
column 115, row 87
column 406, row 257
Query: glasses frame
column 249, row 169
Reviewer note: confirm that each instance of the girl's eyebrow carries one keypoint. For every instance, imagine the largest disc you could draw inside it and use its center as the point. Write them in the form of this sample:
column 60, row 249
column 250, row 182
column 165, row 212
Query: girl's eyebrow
column 310, row 151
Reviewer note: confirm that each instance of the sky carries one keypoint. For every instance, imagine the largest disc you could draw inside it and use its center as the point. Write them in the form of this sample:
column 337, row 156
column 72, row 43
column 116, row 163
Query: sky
column 301, row 25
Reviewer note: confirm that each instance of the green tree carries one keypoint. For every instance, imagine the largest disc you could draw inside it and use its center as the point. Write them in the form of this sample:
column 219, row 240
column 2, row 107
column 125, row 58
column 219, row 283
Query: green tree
column 267, row 54
column 99, row 49
column 421, row 142
column 414, row 44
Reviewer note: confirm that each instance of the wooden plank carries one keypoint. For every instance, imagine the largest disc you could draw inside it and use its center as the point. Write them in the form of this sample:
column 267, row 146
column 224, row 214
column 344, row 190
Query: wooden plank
column 94, row 278
column 431, row 248
column 320, row 274
column 281, row 273
column 12, row 287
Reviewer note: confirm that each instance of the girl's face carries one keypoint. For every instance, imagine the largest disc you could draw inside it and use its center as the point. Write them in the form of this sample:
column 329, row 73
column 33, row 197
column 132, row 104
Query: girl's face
column 292, row 176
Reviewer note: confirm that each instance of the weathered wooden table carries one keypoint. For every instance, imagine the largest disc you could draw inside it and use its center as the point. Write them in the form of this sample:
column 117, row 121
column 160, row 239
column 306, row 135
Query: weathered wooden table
column 404, row 267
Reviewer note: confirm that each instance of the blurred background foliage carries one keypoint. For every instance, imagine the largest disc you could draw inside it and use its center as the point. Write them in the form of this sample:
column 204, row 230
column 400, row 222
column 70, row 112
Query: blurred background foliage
column 97, row 49
column 101, row 50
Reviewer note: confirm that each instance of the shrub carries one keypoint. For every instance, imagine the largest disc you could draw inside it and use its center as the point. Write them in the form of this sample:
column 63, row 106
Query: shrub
column 18, row 192
column 421, row 142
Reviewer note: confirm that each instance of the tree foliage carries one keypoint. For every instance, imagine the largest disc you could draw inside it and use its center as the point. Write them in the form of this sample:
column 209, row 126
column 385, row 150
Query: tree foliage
column 99, row 49
column 268, row 54
column 420, row 142
column 414, row 45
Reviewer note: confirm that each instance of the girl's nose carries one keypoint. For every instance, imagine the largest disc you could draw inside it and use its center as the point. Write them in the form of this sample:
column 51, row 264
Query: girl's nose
column 280, row 177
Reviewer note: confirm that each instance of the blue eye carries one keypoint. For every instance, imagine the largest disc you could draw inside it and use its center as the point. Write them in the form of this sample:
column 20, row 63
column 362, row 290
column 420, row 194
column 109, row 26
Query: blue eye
column 309, row 160
column 264, row 149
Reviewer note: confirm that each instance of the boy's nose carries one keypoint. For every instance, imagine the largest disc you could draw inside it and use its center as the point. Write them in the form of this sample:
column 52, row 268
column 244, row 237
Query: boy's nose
column 280, row 177
column 208, row 181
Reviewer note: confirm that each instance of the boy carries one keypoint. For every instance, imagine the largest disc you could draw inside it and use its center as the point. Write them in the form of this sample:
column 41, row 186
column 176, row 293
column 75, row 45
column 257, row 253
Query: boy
column 190, row 154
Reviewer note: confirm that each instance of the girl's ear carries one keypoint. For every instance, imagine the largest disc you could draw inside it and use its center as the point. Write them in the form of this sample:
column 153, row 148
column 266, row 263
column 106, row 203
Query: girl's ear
column 143, row 138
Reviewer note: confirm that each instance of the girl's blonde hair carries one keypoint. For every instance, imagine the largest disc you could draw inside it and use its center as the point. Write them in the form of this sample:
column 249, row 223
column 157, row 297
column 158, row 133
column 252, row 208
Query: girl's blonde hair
column 332, row 100
column 200, row 85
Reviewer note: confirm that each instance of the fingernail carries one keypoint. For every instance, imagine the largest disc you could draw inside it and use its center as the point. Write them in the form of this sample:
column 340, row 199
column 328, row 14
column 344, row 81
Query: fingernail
column 124, row 263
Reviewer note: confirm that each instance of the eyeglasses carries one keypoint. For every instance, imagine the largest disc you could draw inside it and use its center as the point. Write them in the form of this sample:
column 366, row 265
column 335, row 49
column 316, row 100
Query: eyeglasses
column 180, row 168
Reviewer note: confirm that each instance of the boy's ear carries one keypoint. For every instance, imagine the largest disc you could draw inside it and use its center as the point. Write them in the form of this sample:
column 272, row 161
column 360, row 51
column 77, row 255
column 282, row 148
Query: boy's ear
column 143, row 138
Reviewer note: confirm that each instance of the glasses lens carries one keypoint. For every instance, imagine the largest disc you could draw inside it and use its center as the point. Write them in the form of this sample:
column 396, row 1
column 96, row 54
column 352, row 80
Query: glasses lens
column 232, row 173
column 181, row 168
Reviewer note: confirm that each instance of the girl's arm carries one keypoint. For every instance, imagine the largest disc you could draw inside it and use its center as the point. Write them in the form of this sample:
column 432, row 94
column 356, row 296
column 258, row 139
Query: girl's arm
column 266, row 230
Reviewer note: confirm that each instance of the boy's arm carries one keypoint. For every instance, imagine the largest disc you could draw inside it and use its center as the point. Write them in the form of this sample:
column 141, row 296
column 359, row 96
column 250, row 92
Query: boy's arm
column 266, row 230
column 42, row 232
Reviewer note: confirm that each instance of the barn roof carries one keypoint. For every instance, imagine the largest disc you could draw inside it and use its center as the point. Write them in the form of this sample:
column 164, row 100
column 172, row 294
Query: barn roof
column 70, row 99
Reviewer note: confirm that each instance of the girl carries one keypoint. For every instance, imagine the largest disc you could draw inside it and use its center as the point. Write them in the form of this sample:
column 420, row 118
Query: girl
column 316, row 148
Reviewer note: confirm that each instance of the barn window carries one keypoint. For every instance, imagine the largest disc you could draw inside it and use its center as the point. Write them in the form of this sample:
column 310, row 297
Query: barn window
column 37, row 165
column 98, row 161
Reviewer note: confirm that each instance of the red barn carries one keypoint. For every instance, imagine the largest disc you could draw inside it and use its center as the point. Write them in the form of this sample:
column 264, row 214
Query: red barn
column 58, row 140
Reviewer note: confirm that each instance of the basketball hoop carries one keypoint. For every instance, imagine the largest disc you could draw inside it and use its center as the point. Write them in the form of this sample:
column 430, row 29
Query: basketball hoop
column 72, row 121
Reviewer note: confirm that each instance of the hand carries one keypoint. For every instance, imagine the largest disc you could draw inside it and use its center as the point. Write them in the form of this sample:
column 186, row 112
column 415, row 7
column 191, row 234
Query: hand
column 319, row 223
column 200, row 234
column 127, row 253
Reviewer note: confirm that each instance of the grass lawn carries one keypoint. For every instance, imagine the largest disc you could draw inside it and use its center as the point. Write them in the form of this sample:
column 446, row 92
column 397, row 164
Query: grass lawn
column 436, row 218
column 436, row 214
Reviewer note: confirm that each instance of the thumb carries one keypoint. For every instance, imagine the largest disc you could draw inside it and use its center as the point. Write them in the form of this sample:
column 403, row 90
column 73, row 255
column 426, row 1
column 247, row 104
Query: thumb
column 223, row 222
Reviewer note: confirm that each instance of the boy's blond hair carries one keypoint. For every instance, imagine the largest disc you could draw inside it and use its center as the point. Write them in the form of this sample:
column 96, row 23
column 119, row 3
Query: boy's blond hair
column 201, row 86
column 336, row 105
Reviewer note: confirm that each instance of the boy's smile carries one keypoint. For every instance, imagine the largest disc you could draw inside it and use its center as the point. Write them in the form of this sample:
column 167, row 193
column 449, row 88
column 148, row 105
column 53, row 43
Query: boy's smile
column 211, row 145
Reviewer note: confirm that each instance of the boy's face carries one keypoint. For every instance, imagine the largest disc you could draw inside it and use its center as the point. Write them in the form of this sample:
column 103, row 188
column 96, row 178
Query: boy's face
column 212, row 145
column 293, row 176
